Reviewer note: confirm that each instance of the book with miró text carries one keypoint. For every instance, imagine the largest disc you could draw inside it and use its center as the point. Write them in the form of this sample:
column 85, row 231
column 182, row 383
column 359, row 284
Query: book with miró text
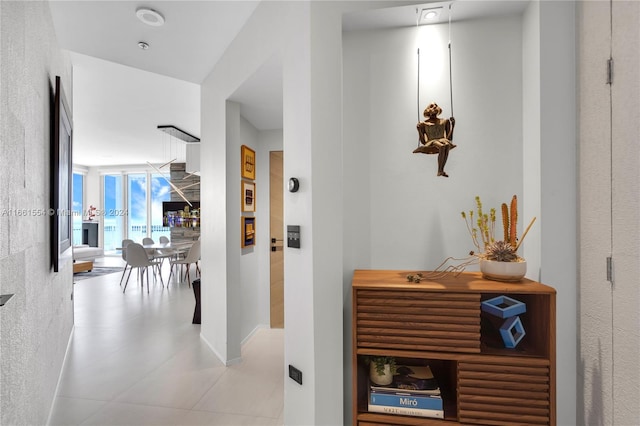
column 406, row 400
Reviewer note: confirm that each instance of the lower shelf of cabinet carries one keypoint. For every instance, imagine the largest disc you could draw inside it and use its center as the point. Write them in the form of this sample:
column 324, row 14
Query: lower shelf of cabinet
column 372, row 419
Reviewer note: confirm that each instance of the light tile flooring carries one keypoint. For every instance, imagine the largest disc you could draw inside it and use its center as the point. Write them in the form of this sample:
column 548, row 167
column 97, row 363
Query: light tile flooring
column 136, row 359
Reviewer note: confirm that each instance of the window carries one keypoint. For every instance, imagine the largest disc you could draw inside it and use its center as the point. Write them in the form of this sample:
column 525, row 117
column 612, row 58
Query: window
column 77, row 207
column 160, row 191
column 137, row 206
column 143, row 195
column 114, row 213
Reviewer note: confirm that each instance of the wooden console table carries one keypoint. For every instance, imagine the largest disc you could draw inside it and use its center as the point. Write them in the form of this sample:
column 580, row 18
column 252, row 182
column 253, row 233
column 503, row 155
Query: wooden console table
column 443, row 323
column 83, row 266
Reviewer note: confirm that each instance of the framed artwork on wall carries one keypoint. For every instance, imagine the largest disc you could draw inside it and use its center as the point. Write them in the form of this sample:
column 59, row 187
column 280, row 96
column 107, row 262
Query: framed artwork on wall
column 61, row 144
column 248, row 196
column 248, row 162
column 248, row 231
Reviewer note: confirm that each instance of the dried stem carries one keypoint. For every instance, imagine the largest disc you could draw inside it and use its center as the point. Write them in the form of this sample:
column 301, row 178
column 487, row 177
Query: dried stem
column 514, row 221
column 525, row 233
column 505, row 221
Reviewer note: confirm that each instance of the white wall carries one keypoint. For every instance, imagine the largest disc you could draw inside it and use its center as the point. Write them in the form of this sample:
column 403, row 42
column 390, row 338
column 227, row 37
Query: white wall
column 558, row 204
column 531, row 134
column 414, row 215
column 249, row 260
column 36, row 324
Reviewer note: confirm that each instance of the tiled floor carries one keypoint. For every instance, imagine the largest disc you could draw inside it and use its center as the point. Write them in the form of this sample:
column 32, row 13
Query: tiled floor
column 136, row 359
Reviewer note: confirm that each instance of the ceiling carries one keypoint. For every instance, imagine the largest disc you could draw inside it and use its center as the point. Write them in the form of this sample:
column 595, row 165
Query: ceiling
column 193, row 38
column 121, row 93
column 407, row 15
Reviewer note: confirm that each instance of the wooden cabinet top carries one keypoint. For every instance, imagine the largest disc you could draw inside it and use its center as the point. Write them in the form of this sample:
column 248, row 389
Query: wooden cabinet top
column 463, row 282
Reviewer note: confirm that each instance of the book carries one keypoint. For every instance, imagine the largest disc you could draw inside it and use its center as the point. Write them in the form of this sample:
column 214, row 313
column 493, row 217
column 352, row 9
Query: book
column 412, row 392
column 409, row 401
column 406, row 411
column 412, row 379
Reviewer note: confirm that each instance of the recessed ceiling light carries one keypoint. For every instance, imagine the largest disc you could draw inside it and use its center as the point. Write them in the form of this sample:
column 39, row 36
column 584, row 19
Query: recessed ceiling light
column 430, row 14
column 143, row 45
column 150, row 17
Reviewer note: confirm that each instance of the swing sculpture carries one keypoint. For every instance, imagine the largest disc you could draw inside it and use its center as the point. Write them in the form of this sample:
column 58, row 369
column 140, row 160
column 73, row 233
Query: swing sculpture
column 436, row 136
column 435, row 133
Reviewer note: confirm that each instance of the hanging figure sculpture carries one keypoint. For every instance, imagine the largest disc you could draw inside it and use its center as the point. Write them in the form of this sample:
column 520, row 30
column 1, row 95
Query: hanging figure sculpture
column 436, row 135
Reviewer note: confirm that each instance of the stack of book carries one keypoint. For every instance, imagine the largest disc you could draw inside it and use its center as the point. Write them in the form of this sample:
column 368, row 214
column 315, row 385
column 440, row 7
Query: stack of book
column 413, row 392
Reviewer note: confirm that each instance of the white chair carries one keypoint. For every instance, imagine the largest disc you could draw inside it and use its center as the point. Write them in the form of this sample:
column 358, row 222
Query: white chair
column 193, row 256
column 124, row 245
column 167, row 253
column 137, row 258
column 146, row 241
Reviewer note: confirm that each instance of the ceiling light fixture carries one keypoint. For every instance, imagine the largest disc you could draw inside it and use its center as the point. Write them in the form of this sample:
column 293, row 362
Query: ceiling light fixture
column 143, row 45
column 176, row 152
column 430, row 14
column 150, row 17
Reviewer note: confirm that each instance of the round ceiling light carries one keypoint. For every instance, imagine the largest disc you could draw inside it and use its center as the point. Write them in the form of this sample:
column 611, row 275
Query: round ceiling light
column 143, row 45
column 150, row 17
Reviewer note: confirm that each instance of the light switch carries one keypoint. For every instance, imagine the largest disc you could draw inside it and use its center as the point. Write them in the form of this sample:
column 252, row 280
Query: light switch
column 293, row 236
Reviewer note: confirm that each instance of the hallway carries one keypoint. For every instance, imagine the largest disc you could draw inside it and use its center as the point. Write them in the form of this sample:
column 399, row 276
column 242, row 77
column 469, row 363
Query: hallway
column 136, row 359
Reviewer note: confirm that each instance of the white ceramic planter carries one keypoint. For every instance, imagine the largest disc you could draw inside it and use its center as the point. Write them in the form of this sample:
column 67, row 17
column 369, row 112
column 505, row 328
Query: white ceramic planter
column 384, row 379
column 503, row 271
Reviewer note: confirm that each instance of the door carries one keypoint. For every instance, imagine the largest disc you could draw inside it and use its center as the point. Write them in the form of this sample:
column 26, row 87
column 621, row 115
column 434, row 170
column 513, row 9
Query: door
column 276, row 226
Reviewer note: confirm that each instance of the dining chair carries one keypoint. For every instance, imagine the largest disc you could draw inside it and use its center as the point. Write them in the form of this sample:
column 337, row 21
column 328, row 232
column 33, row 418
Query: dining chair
column 137, row 258
column 193, row 256
column 124, row 245
column 165, row 253
column 151, row 252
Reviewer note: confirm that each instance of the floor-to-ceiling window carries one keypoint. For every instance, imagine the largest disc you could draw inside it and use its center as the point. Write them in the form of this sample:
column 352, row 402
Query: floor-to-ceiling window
column 77, row 206
column 114, row 213
column 137, row 206
column 143, row 195
column 160, row 191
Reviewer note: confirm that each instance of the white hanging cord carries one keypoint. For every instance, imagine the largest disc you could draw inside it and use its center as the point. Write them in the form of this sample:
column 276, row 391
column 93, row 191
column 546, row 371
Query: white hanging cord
column 418, row 39
column 450, row 73
column 418, row 91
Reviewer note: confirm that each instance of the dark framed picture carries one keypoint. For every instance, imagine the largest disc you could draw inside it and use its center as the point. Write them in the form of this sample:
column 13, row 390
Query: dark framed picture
column 61, row 169
column 248, row 231
column 248, row 196
column 248, row 162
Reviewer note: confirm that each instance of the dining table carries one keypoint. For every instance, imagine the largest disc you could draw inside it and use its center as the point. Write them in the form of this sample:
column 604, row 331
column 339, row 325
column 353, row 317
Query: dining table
column 158, row 250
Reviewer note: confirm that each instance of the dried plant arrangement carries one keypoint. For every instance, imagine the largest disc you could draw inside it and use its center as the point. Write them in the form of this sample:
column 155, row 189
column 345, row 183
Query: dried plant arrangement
column 487, row 246
column 482, row 229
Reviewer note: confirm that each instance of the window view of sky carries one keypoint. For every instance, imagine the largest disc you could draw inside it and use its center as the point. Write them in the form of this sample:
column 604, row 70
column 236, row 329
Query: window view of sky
column 136, row 208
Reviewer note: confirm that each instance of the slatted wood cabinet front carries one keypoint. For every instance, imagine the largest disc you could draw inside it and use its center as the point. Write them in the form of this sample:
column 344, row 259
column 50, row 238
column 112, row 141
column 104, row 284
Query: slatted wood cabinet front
column 439, row 322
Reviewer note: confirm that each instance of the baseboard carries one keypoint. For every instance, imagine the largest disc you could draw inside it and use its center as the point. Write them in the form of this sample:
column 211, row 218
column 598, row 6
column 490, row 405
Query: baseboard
column 244, row 341
column 217, row 354
column 253, row 332
column 64, row 363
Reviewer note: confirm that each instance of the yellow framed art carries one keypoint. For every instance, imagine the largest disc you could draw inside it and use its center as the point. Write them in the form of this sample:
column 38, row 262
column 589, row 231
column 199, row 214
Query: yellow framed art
column 247, row 162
